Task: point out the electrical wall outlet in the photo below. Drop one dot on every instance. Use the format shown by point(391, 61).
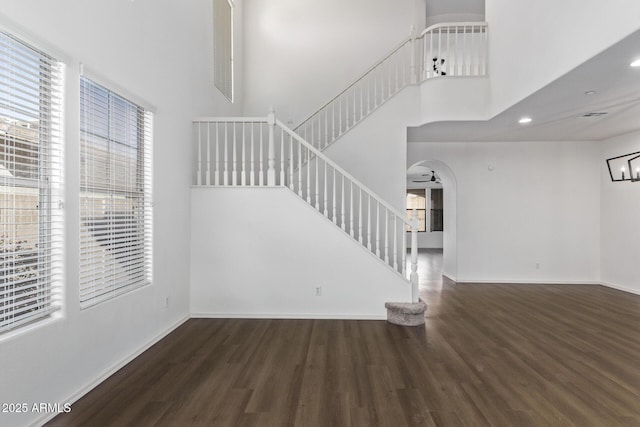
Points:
point(318, 291)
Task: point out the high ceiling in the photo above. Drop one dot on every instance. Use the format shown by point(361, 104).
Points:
point(445, 7)
point(558, 109)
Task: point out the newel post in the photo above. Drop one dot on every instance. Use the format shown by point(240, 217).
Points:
point(271, 159)
point(414, 256)
point(413, 71)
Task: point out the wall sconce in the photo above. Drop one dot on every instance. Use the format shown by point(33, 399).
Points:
point(625, 167)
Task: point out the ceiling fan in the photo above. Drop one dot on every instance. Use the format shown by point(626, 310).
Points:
point(434, 178)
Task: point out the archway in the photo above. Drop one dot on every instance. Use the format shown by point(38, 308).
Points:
point(449, 191)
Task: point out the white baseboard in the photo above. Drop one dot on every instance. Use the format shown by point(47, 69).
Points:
point(111, 370)
point(531, 282)
point(449, 276)
point(621, 288)
point(328, 316)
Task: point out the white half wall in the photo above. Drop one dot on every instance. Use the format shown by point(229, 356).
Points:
point(161, 53)
point(534, 218)
point(620, 210)
point(532, 43)
point(260, 252)
point(299, 54)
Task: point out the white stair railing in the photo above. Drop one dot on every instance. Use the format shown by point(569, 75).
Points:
point(247, 152)
point(448, 49)
point(453, 49)
point(379, 83)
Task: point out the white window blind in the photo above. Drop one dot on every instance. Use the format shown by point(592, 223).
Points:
point(115, 194)
point(223, 47)
point(30, 183)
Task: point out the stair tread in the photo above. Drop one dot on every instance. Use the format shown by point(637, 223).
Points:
point(406, 307)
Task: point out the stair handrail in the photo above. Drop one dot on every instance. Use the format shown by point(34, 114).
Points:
point(452, 24)
point(355, 81)
point(343, 172)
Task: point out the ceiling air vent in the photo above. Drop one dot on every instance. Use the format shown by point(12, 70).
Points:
point(595, 114)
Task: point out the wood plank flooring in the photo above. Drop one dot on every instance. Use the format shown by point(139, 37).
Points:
point(489, 355)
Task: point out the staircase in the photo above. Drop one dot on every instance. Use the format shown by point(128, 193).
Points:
point(263, 152)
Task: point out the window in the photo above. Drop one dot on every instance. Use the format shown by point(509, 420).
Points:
point(436, 219)
point(223, 47)
point(30, 183)
point(115, 194)
point(416, 200)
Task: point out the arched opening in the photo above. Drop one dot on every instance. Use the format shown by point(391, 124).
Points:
point(438, 257)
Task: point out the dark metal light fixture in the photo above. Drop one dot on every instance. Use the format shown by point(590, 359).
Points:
point(626, 167)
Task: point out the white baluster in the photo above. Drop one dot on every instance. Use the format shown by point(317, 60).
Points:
point(291, 185)
point(308, 176)
point(326, 196)
point(300, 170)
point(427, 58)
point(360, 215)
point(252, 180)
point(375, 88)
point(404, 250)
point(464, 49)
point(317, 205)
point(369, 221)
point(333, 121)
point(354, 105)
point(351, 220)
point(472, 62)
point(326, 128)
point(243, 157)
point(271, 160)
point(199, 172)
point(216, 164)
point(447, 57)
point(377, 229)
point(234, 164)
point(282, 156)
point(208, 180)
point(339, 116)
point(261, 153)
point(226, 154)
point(313, 136)
point(342, 220)
point(334, 197)
point(414, 256)
point(386, 235)
point(395, 242)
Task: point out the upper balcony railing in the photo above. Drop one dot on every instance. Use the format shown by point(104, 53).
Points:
point(442, 50)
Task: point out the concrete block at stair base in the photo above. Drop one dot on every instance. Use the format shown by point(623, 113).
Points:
point(406, 314)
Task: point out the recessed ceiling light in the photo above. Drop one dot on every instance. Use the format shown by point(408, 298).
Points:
point(635, 63)
point(590, 92)
point(525, 120)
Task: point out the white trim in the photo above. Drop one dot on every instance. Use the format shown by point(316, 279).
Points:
point(310, 316)
point(529, 282)
point(30, 38)
point(620, 288)
point(110, 371)
point(449, 276)
point(114, 87)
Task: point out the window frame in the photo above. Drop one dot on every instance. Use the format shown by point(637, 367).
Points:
point(223, 48)
point(34, 292)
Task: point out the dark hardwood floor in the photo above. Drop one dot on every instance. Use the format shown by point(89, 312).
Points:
point(489, 355)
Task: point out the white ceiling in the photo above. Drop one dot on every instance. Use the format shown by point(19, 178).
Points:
point(557, 109)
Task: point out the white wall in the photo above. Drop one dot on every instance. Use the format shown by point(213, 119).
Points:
point(539, 205)
point(429, 240)
point(259, 252)
point(374, 151)
point(301, 53)
point(549, 38)
point(620, 209)
point(160, 51)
